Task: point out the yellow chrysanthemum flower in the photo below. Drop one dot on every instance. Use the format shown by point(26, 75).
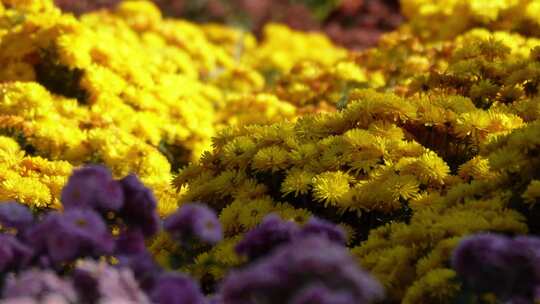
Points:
point(332, 188)
point(297, 182)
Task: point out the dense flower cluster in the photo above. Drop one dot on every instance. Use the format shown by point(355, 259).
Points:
point(310, 270)
point(67, 96)
point(520, 16)
point(94, 252)
point(447, 152)
point(408, 148)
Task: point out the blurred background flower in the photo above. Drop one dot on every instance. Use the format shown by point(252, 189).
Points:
point(355, 24)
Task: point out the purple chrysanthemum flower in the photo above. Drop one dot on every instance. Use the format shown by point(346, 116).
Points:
point(101, 281)
point(194, 221)
point(305, 263)
point(139, 210)
point(13, 254)
point(66, 236)
point(15, 215)
point(177, 289)
point(39, 285)
point(317, 226)
point(474, 253)
point(494, 263)
point(271, 233)
point(92, 187)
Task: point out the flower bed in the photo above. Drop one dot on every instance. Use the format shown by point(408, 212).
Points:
point(228, 155)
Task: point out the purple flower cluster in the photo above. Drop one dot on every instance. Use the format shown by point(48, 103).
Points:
point(507, 267)
point(60, 257)
point(63, 237)
point(308, 270)
point(82, 230)
point(298, 265)
point(52, 257)
point(273, 232)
